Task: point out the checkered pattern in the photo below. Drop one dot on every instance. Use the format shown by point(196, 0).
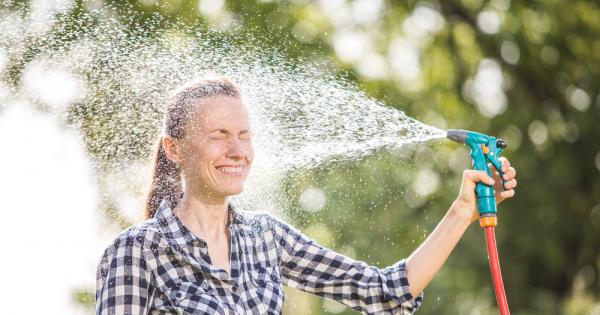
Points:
point(160, 267)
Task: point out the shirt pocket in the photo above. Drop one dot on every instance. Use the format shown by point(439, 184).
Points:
point(269, 288)
point(194, 298)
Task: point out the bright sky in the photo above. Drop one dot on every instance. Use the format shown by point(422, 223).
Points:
point(50, 243)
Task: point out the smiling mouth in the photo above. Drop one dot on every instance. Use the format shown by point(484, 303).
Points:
point(231, 170)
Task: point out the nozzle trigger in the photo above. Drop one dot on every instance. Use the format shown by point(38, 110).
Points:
point(492, 155)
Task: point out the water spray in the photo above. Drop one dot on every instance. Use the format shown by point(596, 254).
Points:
point(486, 149)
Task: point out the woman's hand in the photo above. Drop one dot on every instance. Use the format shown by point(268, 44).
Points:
point(465, 205)
point(426, 261)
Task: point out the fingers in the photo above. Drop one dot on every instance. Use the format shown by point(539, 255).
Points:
point(504, 164)
point(510, 174)
point(509, 171)
point(507, 194)
point(511, 184)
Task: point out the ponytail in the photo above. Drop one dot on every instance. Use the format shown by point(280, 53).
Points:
point(166, 182)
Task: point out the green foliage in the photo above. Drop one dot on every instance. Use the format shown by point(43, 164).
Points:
point(85, 298)
point(548, 55)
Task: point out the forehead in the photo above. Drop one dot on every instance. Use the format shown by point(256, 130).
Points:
point(220, 112)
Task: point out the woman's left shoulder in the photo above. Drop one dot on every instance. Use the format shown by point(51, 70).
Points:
point(260, 221)
point(254, 218)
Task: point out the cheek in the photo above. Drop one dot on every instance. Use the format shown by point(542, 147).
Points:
point(215, 150)
point(249, 151)
point(212, 154)
point(206, 153)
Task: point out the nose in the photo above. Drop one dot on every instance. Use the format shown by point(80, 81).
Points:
point(238, 149)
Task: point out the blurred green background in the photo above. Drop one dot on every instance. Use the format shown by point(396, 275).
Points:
point(527, 71)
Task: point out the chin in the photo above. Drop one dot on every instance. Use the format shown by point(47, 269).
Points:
point(232, 190)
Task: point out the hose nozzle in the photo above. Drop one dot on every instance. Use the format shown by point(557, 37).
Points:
point(484, 149)
point(459, 136)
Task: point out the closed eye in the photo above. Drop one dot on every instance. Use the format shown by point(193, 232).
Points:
point(244, 135)
point(222, 134)
point(218, 134)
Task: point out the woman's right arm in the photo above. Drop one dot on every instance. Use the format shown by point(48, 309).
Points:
point(123, 280)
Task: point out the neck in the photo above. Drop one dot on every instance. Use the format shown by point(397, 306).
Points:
point(204, 214)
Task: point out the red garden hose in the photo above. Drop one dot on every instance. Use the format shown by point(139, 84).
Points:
point(495, 268)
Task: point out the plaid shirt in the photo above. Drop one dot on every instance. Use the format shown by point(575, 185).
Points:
point(160, 267)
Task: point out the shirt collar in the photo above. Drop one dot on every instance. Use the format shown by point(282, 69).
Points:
point(174, 230)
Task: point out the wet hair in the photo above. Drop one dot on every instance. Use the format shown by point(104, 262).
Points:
point(166, 175)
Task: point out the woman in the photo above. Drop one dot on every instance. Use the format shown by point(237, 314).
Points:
point(197, 254)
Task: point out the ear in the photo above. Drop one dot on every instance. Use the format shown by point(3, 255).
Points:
point(171, 148)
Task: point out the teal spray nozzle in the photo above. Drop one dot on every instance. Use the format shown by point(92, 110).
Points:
point(484, 149)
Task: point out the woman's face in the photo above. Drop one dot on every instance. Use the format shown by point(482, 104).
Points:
point(216, 153)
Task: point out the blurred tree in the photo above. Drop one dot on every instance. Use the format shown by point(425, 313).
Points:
point(526, 71)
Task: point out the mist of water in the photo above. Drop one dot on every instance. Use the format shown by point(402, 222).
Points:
point(108, 83)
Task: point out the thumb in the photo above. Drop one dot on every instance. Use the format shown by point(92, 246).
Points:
point(472, 177)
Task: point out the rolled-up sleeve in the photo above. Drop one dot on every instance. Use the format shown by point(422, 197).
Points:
point(313, 268)
point(123, 281)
